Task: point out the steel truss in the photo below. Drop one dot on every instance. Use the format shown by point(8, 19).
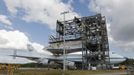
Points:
point(92, 32)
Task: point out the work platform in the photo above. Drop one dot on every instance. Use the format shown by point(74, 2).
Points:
point(86, 34)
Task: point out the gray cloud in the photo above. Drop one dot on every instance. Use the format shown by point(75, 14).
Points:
point(3, 40)
point(120, 15)
point(41, 11)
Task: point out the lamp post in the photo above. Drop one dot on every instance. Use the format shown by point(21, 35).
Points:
point(64, 50)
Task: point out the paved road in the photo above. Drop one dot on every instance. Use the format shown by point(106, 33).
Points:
point(120, 73)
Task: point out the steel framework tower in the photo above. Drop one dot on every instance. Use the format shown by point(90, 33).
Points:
point(92, 33)
point(95, 42)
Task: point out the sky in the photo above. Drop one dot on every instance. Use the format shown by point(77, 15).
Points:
point(24, 22)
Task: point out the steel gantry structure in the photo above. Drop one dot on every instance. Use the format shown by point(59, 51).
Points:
point(89, 34)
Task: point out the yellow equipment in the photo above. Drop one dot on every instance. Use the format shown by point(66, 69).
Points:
point(122, 67)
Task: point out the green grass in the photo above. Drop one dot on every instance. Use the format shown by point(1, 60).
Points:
point(60, 72)
point(93, 72)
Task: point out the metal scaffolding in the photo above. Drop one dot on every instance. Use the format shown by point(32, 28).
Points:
point(91, 31)
point(95, 42)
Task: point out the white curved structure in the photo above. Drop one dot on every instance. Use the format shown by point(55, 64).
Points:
point(71, 57)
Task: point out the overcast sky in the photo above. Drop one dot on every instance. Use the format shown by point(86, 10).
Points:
point(25, 22)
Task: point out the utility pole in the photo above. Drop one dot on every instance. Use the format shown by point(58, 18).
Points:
point(64, 50)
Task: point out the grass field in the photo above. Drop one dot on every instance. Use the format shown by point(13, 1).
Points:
point(59, 72)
